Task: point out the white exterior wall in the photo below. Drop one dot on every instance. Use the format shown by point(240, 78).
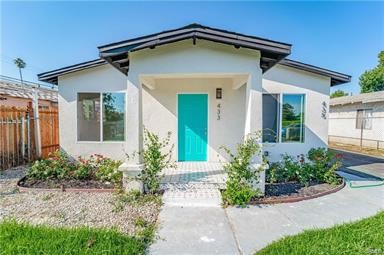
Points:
point(342, 123)
point(160, 111)
point(104, 78)
point(206, 60)
point(179, 66)
point(282, 79)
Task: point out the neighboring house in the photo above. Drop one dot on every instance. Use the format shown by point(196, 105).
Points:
point(358, 119)
point(15, 94)
point(209, 87)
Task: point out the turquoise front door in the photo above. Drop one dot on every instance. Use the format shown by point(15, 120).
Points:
point(192, 127)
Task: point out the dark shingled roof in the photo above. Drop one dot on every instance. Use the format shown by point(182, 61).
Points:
point(272, 52)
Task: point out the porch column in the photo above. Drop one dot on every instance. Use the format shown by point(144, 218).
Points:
point(133, 165)
point(254, 119)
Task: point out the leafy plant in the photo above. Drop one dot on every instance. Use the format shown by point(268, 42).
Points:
point(108, 170)
point(241, 174)
point(156, 157)
point(319, 165)
point(56, 166)
point(134, 198)
point(59, 166)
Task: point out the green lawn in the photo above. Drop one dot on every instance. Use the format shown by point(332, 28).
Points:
point(362, 237)
point(18, 238)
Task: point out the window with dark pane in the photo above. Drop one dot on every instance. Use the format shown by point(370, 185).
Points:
point(88, 117)
point(271, 118)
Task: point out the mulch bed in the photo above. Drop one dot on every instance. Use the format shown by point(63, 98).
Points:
point(64, 184)
point(294, 192)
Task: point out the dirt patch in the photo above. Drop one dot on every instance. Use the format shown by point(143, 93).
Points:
point(70, 209)
point(66, 184)
point(293, 192)
point(354, 148)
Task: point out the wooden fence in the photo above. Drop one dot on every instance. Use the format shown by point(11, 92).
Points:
point(17, 135)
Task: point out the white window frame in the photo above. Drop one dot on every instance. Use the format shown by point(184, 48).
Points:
point(101, 116)
point(281, 118)
point(280, 122)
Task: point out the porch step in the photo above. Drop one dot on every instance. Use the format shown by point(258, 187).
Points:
point(192, 194)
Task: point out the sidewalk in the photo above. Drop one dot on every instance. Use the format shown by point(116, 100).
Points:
point(214, 230)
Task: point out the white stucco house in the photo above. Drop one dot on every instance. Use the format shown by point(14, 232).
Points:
point(358, 120)
point(208, 86)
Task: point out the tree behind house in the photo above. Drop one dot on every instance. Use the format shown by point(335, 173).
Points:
point(20, 64)
point(339, 93)
point(373, 80)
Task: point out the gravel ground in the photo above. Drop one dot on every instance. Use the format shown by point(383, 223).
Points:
point(68, 208)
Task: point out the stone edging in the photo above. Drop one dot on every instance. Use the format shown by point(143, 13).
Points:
point(298, 199)
point(25, 189)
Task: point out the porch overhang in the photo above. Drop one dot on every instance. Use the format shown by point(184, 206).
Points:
point(237, 79)
point(117, 54)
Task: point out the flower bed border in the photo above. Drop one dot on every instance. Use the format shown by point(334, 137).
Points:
point(25, 189)
point(279, 200)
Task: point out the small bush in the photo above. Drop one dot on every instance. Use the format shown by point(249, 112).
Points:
point(241, 174)
point(155, 159)
point(108, 170)
point(56, 166)
point(134, 198)
point(320, 165)
point(59, 166)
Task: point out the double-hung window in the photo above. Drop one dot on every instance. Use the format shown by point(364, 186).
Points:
point(101, 117)
point(283, 118)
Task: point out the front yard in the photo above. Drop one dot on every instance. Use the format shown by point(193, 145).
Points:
point(73, 209)
point(362, 237)
point(18, 238)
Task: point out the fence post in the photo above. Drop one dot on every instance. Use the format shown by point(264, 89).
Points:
point(28, 137)
point(361, 134)
point(7, 132)
point(22, 138)
point(37, 122)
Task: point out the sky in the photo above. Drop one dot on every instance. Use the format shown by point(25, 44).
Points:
point(341, 36)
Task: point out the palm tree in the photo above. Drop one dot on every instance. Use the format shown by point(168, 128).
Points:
point(20, 64)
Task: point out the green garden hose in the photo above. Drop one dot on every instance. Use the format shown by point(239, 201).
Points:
point(365, 186)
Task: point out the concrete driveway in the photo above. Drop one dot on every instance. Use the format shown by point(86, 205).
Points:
point(213, 230)
point(358, 163)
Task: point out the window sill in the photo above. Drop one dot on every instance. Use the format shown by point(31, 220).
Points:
point(99, 142)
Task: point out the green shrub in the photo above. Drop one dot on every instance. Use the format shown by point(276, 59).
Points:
point(320, 165)
point(108, 170)
point(59, 166)
point(238, 193)
point(56, 166)
point(134, 198)
point(241, 174)
point(156, 157)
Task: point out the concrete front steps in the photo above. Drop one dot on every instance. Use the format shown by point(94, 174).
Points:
point(193, 184)
point(192, 194)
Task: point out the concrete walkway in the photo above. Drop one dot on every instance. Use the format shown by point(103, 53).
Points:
point(213, 230)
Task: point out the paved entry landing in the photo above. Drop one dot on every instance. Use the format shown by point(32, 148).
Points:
point(193, 184)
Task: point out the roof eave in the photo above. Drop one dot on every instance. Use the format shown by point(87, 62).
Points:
point(336, 77)
point(52, 76)
point(271, 51)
